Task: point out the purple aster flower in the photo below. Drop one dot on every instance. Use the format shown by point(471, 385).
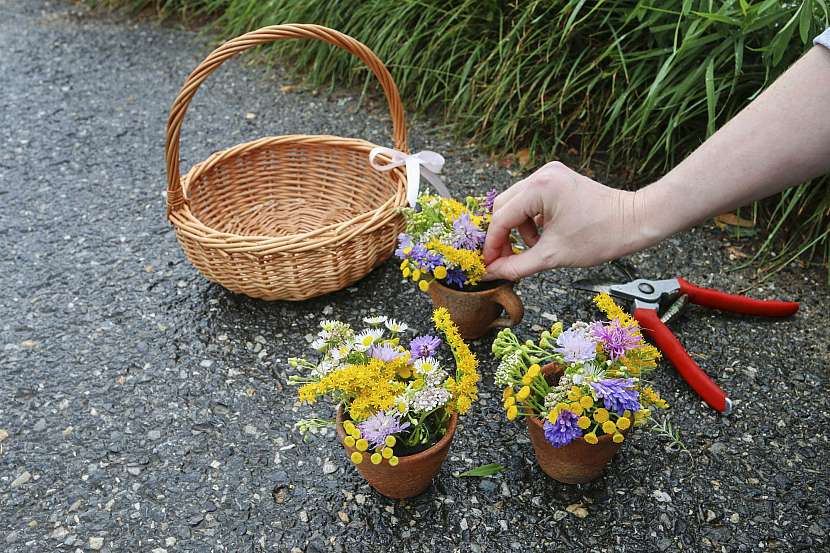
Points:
point(490, 199)
point(424, 346)
point(379, 426)
point(617, 394)
point(384, 353)
point(404, 241)
point(465, 234)
point(419, 254)
point(615, 338)
point(576, 345)
point(431, 261)
point(564, 430)
point(456, 277)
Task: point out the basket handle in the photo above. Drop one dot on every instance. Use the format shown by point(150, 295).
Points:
point(266, 35)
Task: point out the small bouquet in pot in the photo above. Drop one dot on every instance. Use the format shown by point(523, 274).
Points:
point(399, 397)
point(441, 250)
point(444, 240)
point(584, 382)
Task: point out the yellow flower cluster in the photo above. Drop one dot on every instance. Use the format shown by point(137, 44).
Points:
point(511, 400)
point(464, 387)
point(641, 360)
point(613, 311)
point(451, 209)
point(650, 396)
point(353, 440)
point(369, 388)
point(469, 261)
point(421, 277)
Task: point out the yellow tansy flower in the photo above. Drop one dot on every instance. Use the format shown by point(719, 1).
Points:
point(356, 457)
point(601, 415)
point(591, 438)
point(583, 422)
point(609, 427)
point(575, 408)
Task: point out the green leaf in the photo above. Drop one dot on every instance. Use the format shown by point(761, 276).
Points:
point(711, 100)
point(805, 20)
point(484, 470)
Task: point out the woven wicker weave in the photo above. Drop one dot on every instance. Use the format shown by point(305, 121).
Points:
point(288, 217)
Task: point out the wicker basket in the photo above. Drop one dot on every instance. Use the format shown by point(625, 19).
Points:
point(287, 217)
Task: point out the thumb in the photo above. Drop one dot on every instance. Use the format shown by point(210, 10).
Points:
point(514, 267)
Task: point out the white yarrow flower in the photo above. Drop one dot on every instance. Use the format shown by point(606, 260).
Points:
point(508, 365)
point(429, 398)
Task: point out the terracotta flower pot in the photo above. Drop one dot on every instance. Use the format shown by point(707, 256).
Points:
point(578, 462)
point(477, 312)
point(413, 474)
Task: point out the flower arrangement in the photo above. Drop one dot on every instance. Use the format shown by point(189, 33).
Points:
point(399, 400)
point(444, 239)
point(601, 391)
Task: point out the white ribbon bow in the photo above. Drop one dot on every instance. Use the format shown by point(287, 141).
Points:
point(425, 163)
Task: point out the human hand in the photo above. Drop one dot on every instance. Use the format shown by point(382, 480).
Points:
point(582, 223)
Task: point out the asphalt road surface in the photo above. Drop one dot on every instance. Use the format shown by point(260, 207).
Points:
point(143, 408)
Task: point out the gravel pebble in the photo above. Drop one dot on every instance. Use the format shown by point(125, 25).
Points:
point(23, 478)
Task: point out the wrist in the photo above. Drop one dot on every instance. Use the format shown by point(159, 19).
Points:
point(651, 216)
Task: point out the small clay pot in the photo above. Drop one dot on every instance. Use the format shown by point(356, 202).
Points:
point(413, 474)
point(578, 462)
point(477, 312)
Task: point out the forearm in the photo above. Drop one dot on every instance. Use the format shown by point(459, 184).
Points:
point(779, 140)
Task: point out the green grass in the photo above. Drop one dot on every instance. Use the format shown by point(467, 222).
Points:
point(631, 86)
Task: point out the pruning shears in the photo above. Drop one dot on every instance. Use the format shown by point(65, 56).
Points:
point(668, 296)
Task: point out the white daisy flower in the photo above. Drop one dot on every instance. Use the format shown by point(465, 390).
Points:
point(375, 321)
point(395, 326)
point(328, 324)
point(340, 353)
point(401, 405)
point(319, 344)
point(323, 369)
point(426, 365)
point(368, 337)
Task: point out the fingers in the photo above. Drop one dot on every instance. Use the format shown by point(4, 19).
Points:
point(512, 215)
point(514, 267)
point(529, 232)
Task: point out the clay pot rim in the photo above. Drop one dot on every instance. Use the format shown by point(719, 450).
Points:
point(600, 439)
point(497, 284)
point(405, 459)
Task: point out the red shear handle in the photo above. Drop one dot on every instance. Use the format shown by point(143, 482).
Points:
point(685, 365)
point(737, 304)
